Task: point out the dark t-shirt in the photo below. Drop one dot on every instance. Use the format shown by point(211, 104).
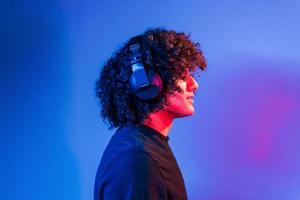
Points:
point(137, 164)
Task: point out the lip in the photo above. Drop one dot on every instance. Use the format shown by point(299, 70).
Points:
point(190, 99)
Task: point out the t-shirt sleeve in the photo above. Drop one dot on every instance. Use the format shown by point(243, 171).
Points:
point(132, 175)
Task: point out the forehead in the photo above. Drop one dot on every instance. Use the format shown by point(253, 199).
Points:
point(197, 70)
point(195, 73)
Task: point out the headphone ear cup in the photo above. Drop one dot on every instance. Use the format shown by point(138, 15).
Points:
point(152, 90)
point(133, 83)
point(155, 80)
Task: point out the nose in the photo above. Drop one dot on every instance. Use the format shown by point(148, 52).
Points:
point(192, 84)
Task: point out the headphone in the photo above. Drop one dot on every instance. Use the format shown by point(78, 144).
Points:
point(144, 83)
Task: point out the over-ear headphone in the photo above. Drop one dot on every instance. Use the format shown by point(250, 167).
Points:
point(144, 83)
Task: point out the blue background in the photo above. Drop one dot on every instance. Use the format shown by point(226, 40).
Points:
point(242, 143)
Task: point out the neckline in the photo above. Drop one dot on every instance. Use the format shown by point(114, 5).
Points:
point(150, 130)
point(166, 138)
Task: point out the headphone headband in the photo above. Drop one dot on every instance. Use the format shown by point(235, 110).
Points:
point(135, 53)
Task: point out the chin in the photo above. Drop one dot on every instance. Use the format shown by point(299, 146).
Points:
point(186, 113)
point(181, 110)
point(191, 112)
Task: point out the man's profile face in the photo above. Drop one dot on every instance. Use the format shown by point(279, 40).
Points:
point(181, 104)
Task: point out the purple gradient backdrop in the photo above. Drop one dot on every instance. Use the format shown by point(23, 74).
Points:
point(243, 141)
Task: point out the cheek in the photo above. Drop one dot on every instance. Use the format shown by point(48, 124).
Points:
point(177, 100)
point(179, 106)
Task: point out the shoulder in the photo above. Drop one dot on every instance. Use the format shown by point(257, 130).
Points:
point(127, 137)
point(124, 143)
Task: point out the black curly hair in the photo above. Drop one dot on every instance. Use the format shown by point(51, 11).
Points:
point(173, 54)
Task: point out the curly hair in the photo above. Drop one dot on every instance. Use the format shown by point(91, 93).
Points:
point(173, 55)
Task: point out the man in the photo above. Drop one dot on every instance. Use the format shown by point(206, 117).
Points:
point(146, 85)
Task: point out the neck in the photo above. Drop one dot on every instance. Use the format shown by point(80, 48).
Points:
point(160, 121)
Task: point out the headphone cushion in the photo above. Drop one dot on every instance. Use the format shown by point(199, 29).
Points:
point(152, 90)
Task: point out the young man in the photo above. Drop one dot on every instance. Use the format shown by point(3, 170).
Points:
point(142, 89)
